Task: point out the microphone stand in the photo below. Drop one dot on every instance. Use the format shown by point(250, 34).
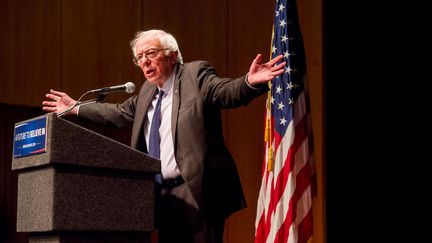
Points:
point(99, 98)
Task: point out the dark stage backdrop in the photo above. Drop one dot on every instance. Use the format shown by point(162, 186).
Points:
point(378, 121)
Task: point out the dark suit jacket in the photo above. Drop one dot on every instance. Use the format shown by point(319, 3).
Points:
point(203, 159)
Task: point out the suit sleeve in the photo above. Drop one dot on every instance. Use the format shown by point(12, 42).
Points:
point(225, 92)
point(119, 115)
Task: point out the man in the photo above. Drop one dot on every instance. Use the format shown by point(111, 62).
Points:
point(199, 183)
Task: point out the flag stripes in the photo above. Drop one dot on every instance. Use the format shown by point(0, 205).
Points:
point(284, 210)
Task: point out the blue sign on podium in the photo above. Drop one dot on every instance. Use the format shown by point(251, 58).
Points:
point(30, 137)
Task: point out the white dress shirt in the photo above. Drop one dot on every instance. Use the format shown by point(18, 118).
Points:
point(169, 166)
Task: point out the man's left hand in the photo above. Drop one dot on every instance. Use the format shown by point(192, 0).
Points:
point(262, 72)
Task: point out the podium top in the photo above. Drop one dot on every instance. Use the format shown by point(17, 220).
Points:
point(71, 144)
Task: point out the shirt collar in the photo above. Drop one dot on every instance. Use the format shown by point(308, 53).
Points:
point(167, 87)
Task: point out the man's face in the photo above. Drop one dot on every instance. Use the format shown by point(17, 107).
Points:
point(155, 65)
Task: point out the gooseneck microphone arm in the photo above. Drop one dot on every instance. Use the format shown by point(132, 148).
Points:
point(79, 102)
point(101, 93)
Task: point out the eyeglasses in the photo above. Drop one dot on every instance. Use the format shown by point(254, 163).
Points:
point(152, 53)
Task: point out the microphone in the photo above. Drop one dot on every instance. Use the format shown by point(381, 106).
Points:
point(128, 87)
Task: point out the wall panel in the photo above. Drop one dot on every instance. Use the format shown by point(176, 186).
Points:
point(30, 48)
point(200, 27)
point(96, 51)
point(249, 32)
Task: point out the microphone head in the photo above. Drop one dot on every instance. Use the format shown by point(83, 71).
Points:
point(130, 87)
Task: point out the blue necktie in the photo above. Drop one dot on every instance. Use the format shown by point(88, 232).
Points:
point(154, 137)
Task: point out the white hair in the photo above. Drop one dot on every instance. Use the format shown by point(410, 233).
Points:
point(166, 40)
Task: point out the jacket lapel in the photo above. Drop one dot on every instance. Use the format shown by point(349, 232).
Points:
point(147, 92)
point(176, 103)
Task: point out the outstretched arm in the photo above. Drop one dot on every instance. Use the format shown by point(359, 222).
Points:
point(59, 102)
point(260, 72)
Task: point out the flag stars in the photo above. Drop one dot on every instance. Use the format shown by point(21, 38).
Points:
point(281, 106)
point(281, 7)
point(283, 121)
point(282, 23)
point(278, 90)
point(290, 85)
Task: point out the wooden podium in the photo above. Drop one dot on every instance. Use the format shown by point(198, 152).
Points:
point(85, 187)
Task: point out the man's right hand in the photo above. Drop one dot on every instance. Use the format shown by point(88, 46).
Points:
point(59, 102)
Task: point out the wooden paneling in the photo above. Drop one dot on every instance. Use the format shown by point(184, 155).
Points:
point(249, 32)
point(30, 47)
point(95, 51)
point(200, 27)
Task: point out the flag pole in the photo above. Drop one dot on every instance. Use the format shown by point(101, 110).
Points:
point(268, 130)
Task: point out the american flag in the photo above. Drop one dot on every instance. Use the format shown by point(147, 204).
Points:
point(284, 210)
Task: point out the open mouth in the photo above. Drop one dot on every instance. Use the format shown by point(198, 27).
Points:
point(150, 72)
